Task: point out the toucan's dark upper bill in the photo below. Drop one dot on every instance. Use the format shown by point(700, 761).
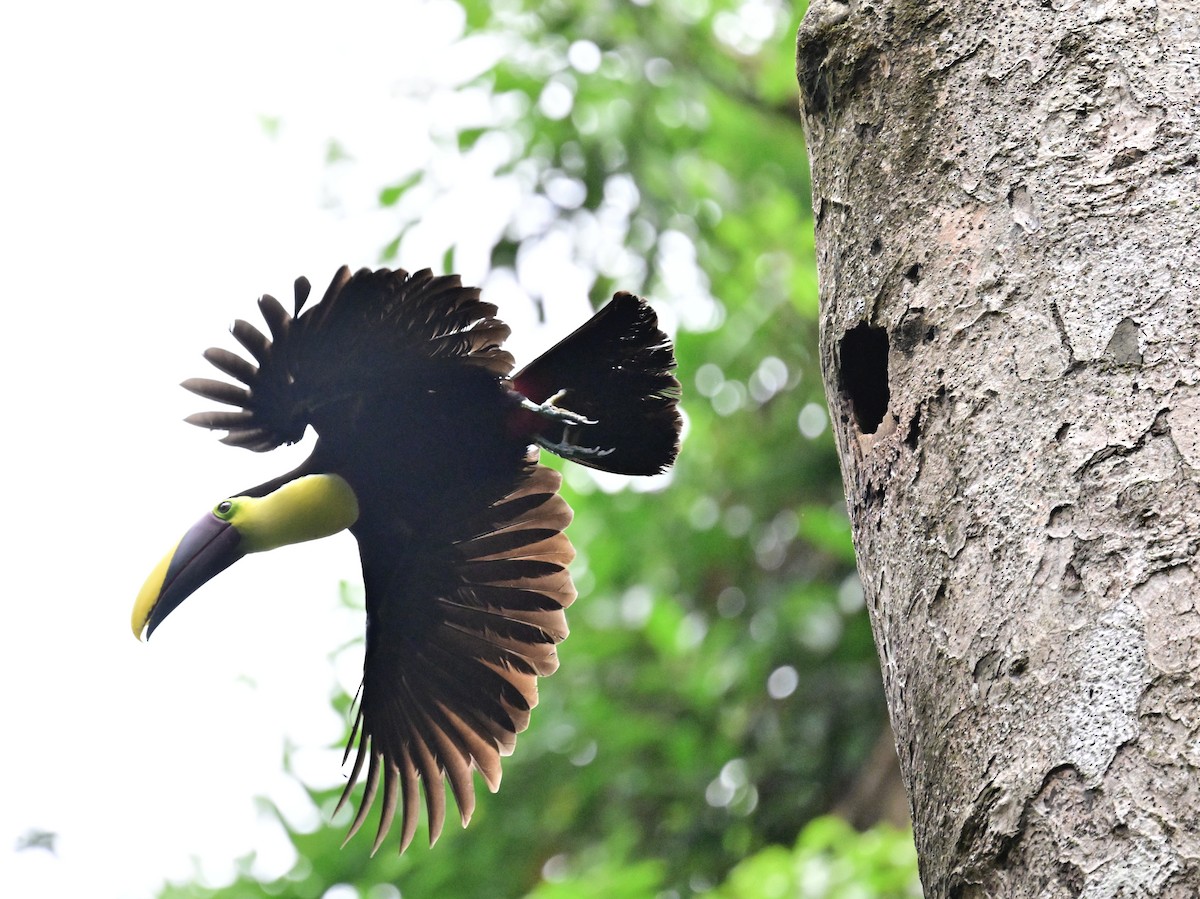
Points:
point(207, 549)
point(424, 449)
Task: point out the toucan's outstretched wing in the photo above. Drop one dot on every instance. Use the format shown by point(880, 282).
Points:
point(270, 412)
point(462, 618)
point(617, 371)
point(365, 336)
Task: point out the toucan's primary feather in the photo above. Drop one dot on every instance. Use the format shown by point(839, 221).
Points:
point(451, 670)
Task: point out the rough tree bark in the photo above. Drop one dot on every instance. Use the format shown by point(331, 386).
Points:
point(1008, 237)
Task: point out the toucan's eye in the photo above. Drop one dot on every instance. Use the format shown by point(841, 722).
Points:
point(223, 509)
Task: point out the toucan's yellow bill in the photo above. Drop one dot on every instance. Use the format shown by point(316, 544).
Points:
point(211, 546)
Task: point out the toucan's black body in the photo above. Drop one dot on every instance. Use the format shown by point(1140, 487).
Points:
point(404, 379)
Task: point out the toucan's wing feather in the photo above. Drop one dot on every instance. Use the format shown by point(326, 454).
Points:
point(462, 619)
point(268, 413)
point(617, 371)
point(374, 334)
point(378, 326)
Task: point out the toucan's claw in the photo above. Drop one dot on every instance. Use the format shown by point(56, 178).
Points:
point(573, 451)
point(555, 413)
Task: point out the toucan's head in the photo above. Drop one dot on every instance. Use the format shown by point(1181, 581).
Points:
point(306, 508)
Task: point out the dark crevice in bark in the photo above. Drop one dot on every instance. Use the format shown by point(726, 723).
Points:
point(912, 331)
point(914, 431)
point(1056, 314)
point(813, 75)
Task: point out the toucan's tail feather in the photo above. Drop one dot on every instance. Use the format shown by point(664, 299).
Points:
point(615, 371)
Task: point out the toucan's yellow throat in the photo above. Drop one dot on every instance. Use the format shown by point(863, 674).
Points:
point(307, 508)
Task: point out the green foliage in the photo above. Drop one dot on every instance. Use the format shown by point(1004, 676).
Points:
point(830, 861)
point(391, 194)
point(720, 687)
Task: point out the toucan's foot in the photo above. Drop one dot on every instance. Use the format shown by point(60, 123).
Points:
point(565, 446)
point(573, 451)
point(554, 413)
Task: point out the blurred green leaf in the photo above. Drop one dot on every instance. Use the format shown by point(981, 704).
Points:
point(468, 137)
point(335, 152)
point(391, 251)
point(390, 196)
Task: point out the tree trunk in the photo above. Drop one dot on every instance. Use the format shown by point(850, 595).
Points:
point(1008, 236)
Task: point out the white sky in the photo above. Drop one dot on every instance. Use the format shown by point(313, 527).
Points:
point(142, 209)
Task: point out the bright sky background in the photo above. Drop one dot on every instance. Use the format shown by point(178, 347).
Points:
point(142, 209)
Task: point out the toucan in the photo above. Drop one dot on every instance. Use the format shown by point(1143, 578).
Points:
point(427, 451)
